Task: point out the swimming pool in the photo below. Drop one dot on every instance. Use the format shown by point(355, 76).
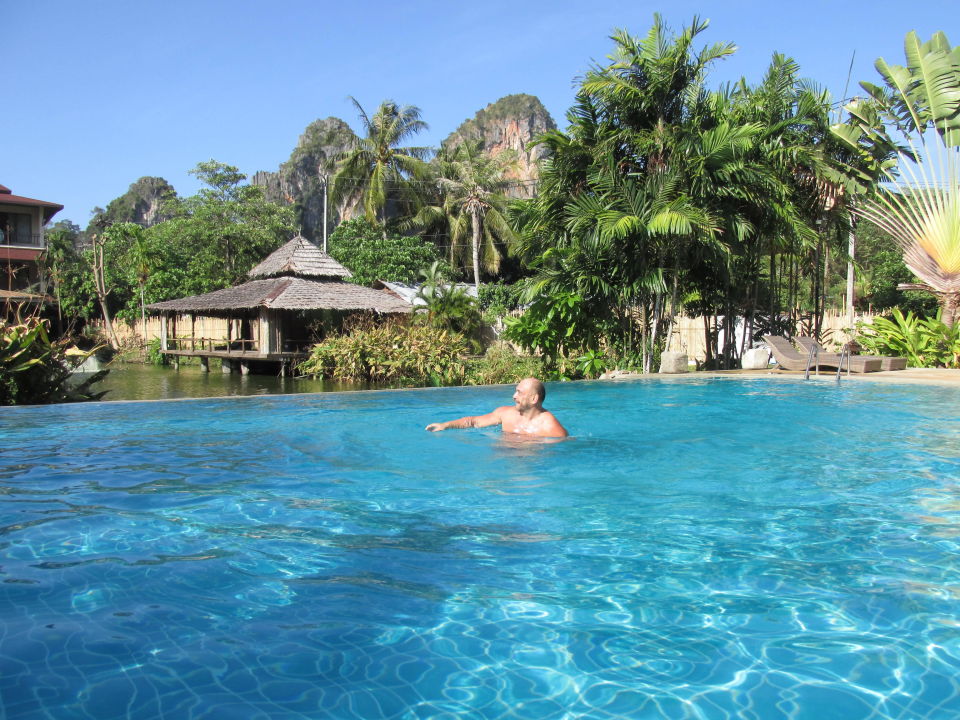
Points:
point(699, 549)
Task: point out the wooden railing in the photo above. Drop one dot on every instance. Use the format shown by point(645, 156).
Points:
point(210, 344)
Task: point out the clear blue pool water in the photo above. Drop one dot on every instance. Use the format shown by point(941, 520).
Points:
point(698, 549)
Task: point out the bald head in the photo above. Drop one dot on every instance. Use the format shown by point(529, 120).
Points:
point(532, 385)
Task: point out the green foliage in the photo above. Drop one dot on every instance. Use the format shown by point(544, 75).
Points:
point(498, 299)
point(70, 275)
point(501, 365)
point(372, 254)
point(208, 242)
point(377, 169)
point(448, 306)
point(36, 370)
point(470, 207)
point(154, 356)
point(557, 325)
point(593, 363)
point(395, 353)
point(392, 352)
point(919, 205)
point(925, 342)
point(881, 270)
point(661, 189)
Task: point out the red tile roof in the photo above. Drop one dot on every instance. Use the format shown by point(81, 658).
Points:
point(49, 209)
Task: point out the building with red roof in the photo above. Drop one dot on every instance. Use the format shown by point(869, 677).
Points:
point(22, 220)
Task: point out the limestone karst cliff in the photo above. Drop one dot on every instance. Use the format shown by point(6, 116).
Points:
point(298, 181)
point(505, 126)
point(508, 126)
point(142, 203)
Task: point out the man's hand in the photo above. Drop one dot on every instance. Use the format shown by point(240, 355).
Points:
point(435, 427)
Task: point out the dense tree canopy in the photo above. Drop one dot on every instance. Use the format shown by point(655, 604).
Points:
point(209, 241)
point(661, 191)
point(372, 253)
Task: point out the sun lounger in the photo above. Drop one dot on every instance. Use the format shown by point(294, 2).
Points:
point(789, 358)
point(886, 363)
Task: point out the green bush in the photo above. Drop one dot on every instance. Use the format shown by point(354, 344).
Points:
point(448, 306)
point(154, 356)
point(500, 365)
point(498, 299)
point(925, 342)
point(392, 352)
point(36, 370)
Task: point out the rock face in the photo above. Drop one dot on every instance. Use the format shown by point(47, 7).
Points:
point(298, 181)
point(508, 126)
point(142, 203)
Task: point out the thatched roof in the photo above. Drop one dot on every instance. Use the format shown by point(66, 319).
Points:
point(298, 276)
point(287, 293)
point(299, 258)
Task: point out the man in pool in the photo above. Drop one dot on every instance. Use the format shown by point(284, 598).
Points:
point(526, 417)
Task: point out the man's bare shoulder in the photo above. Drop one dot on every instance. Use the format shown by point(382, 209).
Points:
point(549, 425)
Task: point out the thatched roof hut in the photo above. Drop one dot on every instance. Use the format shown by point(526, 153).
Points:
point(300, 258)
point(298, 276)
point(271, 310)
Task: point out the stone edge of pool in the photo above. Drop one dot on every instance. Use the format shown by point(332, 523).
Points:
point(910, 376)
point(915, 376)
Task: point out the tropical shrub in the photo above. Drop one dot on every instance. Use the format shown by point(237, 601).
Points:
point(925, 342)
point(448, 306)
point(392, 352)
point(501, 365)
point(37, 370)
point(498, 299)
point(592, 363)
point(555, 325)
point(153, 354)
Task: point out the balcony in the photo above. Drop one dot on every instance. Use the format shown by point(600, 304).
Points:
point(17, 239)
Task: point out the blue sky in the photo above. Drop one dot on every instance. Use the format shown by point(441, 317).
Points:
point(106, 91)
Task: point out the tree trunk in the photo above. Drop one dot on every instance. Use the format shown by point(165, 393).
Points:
point(708, 353)
point(655, 324)
point(100, 285)
point(476, 222)
point(143, 315)
point(949, 304)
point(851, 251)
point(673, 313)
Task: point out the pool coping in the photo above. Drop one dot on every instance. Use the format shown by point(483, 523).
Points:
point(910, 376)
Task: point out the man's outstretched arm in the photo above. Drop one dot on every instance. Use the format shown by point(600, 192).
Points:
point(471, 421)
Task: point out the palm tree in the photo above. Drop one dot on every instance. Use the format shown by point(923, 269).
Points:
point(470, 202)
point(920, 204)
point(379, 169)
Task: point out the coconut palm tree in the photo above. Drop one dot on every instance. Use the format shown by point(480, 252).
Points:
point(471, 202)
point(379, 169)
point(919, 205)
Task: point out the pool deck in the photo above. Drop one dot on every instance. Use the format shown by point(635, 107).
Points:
point(916, 376)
